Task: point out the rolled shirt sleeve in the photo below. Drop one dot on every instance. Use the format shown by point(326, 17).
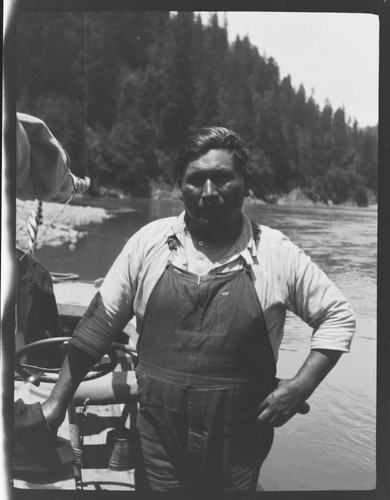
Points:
point(112, 307)
point(319, 302)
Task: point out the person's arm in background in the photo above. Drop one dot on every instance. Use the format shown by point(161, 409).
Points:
point(316, 300)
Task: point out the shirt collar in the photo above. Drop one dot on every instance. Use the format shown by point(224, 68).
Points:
point(245, 243)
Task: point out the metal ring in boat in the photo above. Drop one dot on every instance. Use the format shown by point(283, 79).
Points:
point(57, 277)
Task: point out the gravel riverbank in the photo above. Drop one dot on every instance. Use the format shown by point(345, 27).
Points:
point(64, 229)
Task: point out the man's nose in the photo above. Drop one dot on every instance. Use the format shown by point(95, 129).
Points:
point(209, 189)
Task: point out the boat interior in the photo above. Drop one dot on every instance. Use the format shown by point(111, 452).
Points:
point(99, 428)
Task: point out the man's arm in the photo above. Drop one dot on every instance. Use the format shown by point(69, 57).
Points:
point(284, 401)
point(316, 300)
point(89, 342)
point(76, 365)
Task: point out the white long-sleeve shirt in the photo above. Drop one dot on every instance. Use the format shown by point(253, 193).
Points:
point(285, 278)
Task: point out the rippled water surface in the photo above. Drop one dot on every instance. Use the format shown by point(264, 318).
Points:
point(333, 447)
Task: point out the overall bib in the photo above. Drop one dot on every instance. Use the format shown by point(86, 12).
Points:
point(205, 363)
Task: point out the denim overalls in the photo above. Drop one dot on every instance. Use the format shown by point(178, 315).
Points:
point(205, 361)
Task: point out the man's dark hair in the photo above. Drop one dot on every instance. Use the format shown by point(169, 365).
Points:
point(202, 141)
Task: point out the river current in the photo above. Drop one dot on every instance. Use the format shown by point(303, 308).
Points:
point(332, 447)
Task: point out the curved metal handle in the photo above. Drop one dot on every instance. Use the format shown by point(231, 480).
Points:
point(36, 374)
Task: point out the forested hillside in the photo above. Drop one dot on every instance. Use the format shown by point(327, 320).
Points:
point(121, 89)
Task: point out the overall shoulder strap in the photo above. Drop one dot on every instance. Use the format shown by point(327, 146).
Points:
point(256, 232)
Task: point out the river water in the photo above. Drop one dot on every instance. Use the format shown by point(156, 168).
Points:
point(332, 447)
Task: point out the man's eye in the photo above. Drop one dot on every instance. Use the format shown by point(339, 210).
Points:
point(195, 180)
point(222, 178)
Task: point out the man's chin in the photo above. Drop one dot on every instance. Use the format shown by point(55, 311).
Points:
point(211, 214)
point(211, 222)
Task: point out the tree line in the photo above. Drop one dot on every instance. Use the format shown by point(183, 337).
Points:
point(121, 89)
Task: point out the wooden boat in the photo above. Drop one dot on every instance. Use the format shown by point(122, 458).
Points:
point(104, 412)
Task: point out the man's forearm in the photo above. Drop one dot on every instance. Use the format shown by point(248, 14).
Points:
point(76, 365)
point(315, 368)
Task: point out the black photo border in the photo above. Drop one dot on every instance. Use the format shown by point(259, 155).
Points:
point(380, 8)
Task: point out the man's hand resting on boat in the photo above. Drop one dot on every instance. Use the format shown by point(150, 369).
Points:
point(290, 394)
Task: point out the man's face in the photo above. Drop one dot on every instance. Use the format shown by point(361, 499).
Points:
point(213, 190)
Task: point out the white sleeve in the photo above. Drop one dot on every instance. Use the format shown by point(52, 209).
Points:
point(112, 307)
point(319, 302)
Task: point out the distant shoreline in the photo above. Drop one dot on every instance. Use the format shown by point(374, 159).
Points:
point(297, 197)
point(65, 229)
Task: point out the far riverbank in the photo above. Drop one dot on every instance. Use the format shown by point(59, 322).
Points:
point(68, 226)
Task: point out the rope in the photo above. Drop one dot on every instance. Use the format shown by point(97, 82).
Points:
point(34, 220)
point(79, 186)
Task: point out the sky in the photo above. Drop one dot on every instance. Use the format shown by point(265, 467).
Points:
point(336, 55)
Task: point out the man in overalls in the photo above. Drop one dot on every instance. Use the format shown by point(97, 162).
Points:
point(210, 290)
